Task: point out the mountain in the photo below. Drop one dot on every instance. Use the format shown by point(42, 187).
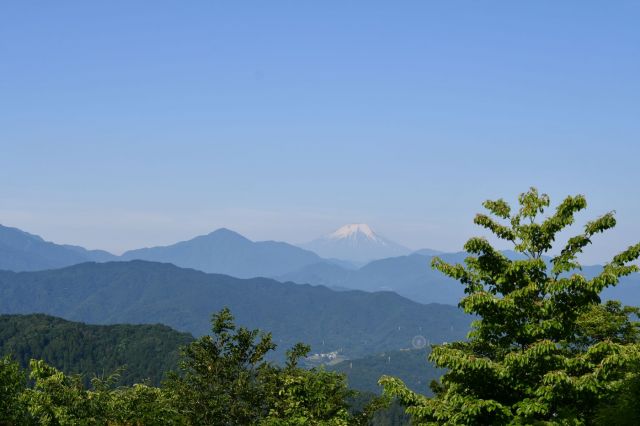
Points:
point(355, 243)
point(222, 251)
point(409, 276)
point(428, 252)
point(227, 252)
point(21, 251)
point(412, 277)
point(91, 255)
point(147, 351)
point(140, 292)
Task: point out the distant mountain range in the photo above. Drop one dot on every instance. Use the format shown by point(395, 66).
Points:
point(410, 276)
point(222, 251)
point(227, 252)
point(356, 243)
point(21, 251)
point(357, 323)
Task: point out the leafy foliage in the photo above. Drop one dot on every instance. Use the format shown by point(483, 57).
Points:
point(623, 408)
point(12, 385)
point(58, 399)
point(223, 380)
point(226, 380)
point(537, 353)
point(222, 375)
point(382, 412)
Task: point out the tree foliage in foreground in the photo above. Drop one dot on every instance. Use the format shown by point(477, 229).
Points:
point(543, 351)
point(223, 380)
point(227, 381)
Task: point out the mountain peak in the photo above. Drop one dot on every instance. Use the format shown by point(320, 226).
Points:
point(355, 242)
point(226, 232)
point(353, 230)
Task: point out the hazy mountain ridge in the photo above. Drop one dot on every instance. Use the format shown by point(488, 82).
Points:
point(410, 276)
point(357, 243)
point(227, 252)
point(137, 292)
point(221, 251)
point(413, 277)
point(22, 251)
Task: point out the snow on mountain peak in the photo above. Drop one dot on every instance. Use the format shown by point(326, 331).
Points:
point(355, 242)
point(352, 230)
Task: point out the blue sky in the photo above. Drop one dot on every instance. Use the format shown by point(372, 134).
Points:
point(127, 124)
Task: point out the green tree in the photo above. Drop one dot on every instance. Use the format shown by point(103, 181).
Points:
point(220, 381)
point(139, 404)
point(12, 385)
point(531, 357)
point(225, 380)
point(59, 399)
point(623, 408)
point(303, 397)
point(614, 322)
point(609, 321)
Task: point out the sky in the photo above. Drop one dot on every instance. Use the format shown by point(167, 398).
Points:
point(130, 124)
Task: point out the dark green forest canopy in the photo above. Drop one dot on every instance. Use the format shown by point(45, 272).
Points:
point(146, 351)
point(150, 351)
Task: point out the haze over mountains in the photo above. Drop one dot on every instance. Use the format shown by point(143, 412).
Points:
point(353, 322)
point(357, 243)
point(227, 252)
point(22, 251)
point(221, 251)
point(410, 276)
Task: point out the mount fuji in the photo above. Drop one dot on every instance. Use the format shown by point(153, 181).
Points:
point(355, 242)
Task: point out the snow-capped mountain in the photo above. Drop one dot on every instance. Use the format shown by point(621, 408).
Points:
point(356, 242)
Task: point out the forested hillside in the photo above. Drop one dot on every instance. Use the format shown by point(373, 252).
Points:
point(354, 322)
point(411, 366)
point(147, 351)
point(211, 387)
